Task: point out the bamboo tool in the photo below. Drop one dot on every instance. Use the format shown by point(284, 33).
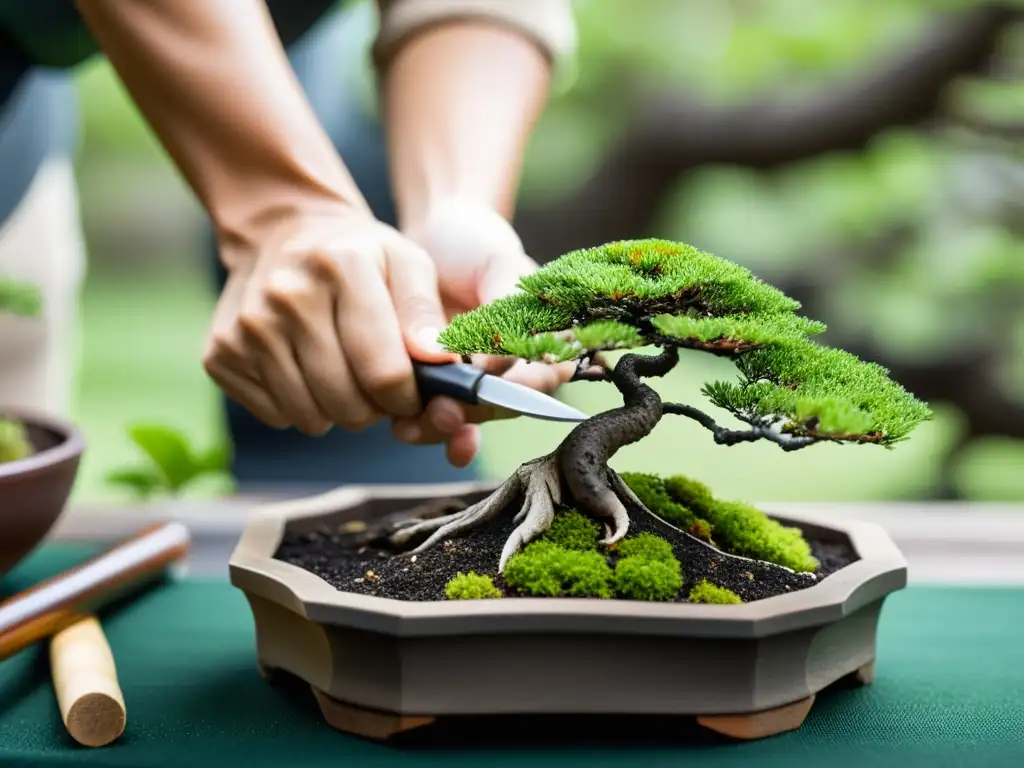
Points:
point(60, 601)
point(85, 681)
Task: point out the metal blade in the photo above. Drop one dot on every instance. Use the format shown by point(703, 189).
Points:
point(525, 401)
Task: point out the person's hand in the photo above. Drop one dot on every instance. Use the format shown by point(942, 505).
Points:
point(317, 323)
point(479, 258)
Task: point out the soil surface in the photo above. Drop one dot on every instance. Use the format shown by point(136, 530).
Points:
point(331, 555)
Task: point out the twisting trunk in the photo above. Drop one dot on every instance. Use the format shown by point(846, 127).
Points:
point(584, 454)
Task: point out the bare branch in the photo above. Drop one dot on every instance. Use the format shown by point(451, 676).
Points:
point(757, 431)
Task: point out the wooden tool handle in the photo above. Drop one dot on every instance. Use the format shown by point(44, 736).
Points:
point(85, 681)
point(58, 602)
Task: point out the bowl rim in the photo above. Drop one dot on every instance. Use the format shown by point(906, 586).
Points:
point(70, 447)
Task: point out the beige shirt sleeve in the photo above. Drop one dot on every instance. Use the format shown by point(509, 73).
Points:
point(549, 23)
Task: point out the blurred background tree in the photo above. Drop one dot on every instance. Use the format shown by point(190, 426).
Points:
point(864, 156)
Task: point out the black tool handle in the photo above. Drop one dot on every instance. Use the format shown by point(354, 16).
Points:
point(455, 380)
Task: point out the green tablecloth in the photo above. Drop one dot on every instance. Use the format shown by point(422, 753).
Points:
point(949, 692)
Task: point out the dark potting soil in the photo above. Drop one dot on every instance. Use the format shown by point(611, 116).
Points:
point(373, 571)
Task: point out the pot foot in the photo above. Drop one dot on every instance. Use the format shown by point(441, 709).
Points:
point(368, 723)
point(759, 725)
point(864, 675)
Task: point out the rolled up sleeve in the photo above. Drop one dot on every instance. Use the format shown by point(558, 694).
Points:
point(549, 23)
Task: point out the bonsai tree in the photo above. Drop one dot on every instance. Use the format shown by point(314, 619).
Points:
point(17, 298)
point(791, 391)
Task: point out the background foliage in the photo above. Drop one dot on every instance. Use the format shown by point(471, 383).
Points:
point(908, 246)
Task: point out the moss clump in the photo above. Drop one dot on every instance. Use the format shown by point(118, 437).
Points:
point(572, 530)
point(652, 492)
point(637, 578)
point(646, 546)
point(749, 532)
point(470, 586)
point(706, 592)
point(636, 293)
point(647, 569)
point(14, 442)
point(739, 528)
point(545, 569)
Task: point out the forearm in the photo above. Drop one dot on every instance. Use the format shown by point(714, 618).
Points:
point(213, 82)
point(460, 102)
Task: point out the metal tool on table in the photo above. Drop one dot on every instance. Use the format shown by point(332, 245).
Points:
point(473, 386)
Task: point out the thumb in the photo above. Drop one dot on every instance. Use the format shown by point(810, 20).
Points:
point(414, 293)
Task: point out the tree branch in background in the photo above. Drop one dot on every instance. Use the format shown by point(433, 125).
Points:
point(674, 135)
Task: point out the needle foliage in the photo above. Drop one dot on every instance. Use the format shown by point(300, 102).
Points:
point(639, 293)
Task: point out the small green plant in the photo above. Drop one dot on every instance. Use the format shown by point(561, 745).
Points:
point(172, 463)
point(706, 592)
point(14, 442)
point(572, 530)
point(24, 300)
point(471, 586)
point(544, 569)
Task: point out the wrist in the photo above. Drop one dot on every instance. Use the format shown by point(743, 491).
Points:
point(267, 221)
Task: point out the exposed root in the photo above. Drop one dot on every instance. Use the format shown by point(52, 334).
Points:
point(543, 493)
point(458, 523)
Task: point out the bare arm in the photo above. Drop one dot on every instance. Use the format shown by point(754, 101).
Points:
point(213, 81)
point(461, 97)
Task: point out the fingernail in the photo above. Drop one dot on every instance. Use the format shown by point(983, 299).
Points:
point(427, 338)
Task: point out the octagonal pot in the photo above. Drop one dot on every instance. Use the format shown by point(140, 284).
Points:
point(746, 670)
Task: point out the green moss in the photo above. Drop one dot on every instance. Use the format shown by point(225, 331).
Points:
point(646, 546)
point(690, 493)
point(706, 592)
point(738, 528)
point(640, 578)
point(14, 442)
point(572, 530)
point(470, 586)
point(544, 569)
point(650, 489)
point(743, 529)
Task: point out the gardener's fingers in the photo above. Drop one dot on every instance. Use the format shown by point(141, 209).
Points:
point(304, 302)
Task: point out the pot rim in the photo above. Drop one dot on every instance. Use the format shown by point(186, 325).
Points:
point(880, 569)
point(70, 447)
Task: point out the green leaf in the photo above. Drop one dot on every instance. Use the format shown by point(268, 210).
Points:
point(217, 459)
point(169, 450)
point(144, 481)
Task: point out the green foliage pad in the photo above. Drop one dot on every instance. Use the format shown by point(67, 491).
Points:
point(639, 293)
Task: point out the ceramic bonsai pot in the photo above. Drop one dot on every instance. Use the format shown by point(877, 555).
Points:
point(379, 666)
point(34, 490)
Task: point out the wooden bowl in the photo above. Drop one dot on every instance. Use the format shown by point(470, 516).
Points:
point(35, 490)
